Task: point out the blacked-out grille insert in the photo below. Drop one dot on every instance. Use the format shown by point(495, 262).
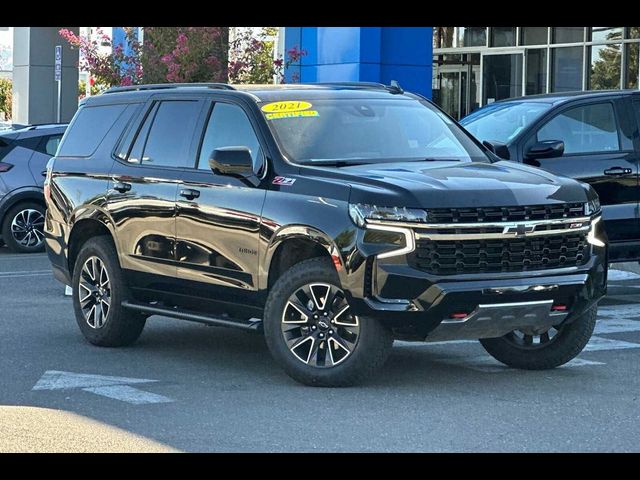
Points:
point(505, 214)
point(500, 255)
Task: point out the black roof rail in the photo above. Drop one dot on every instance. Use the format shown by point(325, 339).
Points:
point(379, 86)
point(161, 86)
point(393, 88)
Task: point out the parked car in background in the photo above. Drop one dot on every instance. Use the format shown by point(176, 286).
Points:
point(589, 136)
point(24, 153)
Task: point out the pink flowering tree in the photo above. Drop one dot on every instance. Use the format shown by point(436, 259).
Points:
point(185, 54)
point(107, 69)
point(251, 57)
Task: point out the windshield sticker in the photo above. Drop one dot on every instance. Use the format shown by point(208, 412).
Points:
point(288, 106)
point(303, 113)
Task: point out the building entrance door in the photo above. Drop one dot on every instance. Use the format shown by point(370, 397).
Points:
point(501, 76)
point(455, 83)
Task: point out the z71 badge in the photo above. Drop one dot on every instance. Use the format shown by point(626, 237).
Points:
point(284, 181)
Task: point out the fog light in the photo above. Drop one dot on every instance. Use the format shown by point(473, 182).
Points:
point(559, 308)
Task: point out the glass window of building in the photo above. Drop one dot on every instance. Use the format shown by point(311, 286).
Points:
point(443, 37)
point(536, 71)
point(534, 35)
point(502, 77)
point(631, 75)
point(503, 36)
point(604, 73)
point(567, 34)
point(566, 69)
point(605, 34)
point(633, 32)
point(586, 129)
point(472, 36)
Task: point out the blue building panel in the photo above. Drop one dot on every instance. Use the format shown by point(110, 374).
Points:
point(371, 54)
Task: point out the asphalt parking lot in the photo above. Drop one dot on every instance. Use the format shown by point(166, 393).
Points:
point(189, 387)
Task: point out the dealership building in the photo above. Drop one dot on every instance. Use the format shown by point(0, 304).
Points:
point(463, 68)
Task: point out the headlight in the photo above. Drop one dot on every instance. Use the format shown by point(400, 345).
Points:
point(592, 206)
point(361, 212)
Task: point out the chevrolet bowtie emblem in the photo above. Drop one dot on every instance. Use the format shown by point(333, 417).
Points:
point(518, 229)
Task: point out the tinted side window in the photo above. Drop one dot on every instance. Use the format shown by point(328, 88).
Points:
point(49, 145)
point(228, 126)
point(170, 133)
point(584, 129)
point(88, 128)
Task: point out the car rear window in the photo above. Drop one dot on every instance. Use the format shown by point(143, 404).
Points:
point(88, 128)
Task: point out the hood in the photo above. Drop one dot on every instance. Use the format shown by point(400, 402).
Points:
point(458, 184)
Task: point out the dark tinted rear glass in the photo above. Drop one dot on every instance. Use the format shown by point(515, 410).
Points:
point(88, 129)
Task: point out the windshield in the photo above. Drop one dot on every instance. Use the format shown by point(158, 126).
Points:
point(363, 130)
point(503, 121)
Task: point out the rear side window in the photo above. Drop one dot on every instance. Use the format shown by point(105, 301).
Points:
point(49, 144)
point(165, 136)
point(584, 129)
point(88, 129)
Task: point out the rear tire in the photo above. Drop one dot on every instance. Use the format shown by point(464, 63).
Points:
point(566, 344)
point(98, 291)
point(23, 228)
point(318, 351)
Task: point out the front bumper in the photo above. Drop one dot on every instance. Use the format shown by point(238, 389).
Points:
point(420, 306)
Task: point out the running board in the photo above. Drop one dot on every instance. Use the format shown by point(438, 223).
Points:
point(191, 316)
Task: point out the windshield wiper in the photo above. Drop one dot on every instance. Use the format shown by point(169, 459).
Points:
point(328, 162)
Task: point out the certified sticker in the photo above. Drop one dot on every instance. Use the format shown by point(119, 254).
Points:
point(288, 106)
point(303, 113)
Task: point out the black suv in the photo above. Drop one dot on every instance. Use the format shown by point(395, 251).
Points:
point(333, 218)
point(24, 153)
point(589, 136)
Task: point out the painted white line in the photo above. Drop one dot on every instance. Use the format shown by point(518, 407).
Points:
point(615, 325)
point(620, 311)
point(600, 343)
point(58, 380)
point(68, 291)
point(616, 275)
point(28, 275)
point(128, 394)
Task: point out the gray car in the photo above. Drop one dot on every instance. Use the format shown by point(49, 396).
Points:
point(24, 154)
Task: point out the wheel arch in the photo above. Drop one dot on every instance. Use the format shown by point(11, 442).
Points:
point(292, 244)
point(90, 225)
point(29, 194)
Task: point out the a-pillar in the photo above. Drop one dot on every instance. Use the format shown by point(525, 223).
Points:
point(35, 91)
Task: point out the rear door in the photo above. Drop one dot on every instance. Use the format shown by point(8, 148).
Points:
point(143, 186)
point(45, 149)
point(598, 150)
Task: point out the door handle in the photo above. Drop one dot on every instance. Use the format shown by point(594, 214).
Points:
point(189, 193)
point(122, 187)
point(617, 171)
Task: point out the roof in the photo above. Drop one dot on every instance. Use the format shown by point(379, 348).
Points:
point(258, 93)
point(561, 97)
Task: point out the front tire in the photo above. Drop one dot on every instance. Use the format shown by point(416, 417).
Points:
point(98, 291)
point(313, 336)
point(546, 350)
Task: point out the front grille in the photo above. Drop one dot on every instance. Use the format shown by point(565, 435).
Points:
point(505, 214)
point(500, 255)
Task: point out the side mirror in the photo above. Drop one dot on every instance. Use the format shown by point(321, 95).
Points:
point(545, 149)
point(499, 148)
point(232, 161)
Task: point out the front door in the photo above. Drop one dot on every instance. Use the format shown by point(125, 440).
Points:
point(219, 216)
point(599, 152)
